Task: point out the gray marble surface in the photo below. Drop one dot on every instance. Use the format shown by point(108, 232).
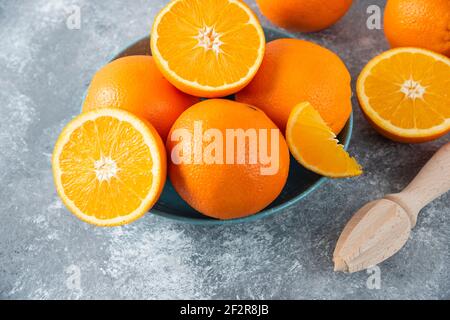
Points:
point(45, 68)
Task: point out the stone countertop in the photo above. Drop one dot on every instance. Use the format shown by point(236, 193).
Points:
point(46, 253)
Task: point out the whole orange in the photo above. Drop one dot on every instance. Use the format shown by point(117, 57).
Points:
point(304, 15)
point(295, 71)
point(135, 84)
point(241, 176)
point(418, 23)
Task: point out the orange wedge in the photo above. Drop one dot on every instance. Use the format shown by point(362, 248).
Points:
point(313, 144)
point(109, 167)
point(405, 94)
point(208, 48)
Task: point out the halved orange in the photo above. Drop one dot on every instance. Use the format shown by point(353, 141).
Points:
point(405, 94)
point(208, 48)
point(314, 145)
point(109, 167)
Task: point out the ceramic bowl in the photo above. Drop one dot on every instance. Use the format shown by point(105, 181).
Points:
point(301, 182)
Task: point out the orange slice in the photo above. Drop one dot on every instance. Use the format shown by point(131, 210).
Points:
point(405, 94)
point(313, 144)
point(208, 48)
point(109, 167)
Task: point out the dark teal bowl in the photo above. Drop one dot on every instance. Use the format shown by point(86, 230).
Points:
point(301, 181)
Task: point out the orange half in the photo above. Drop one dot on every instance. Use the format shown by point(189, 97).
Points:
point(314, 145)
point(208, 48)
point(109, 167)
point(405, 94)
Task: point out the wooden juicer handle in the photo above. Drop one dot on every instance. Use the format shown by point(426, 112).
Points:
point(430, 183)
